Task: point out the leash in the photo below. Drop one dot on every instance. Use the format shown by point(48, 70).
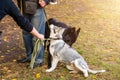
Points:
point(21, 11)
point(38, 45)
point(21, 7)
point(48, 39)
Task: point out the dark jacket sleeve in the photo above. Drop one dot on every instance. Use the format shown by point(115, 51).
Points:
point(14, 12)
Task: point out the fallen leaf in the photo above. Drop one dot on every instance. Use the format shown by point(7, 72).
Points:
point(14, 79)
point(38, 75)
point(9, 71)
point(94, 77)
point(14, 60)
point(5, 68)
point(5, 39)
point(8, 50)
point(2, 56)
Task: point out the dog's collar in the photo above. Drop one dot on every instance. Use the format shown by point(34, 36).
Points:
point(53, 39)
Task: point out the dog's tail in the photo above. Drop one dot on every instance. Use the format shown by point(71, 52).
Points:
point(83, 67)
point(95, 71)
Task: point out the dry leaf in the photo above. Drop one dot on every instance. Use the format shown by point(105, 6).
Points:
point(14, 60)
point(14, 79)
point(5, 39)
point(8, 50)
point(5, 68)
point(2, 56)
point(94, 77)
point(38, 75)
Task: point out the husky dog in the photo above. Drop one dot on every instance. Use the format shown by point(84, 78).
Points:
point(70, 35)
point(60, 51)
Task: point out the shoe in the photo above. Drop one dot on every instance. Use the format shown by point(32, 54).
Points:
point(37, 65)
point(23, 60)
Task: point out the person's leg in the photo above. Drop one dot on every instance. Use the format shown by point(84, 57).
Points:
point(38, 21)
point(28, 43)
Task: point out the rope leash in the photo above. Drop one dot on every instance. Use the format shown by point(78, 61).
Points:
point(21, 11)
point(38, 45)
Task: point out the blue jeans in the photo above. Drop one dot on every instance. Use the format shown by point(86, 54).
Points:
point(38, 21)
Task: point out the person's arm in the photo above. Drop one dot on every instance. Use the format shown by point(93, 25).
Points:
point(23, 22)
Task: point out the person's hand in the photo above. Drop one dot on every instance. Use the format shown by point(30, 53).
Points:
point(41, 37)
point(42, 3)
point(37, 34)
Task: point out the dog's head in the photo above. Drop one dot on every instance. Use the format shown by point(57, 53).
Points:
point(69, 35)
point(56, 32)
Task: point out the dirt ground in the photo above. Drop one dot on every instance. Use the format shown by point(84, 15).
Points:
point(98, 41)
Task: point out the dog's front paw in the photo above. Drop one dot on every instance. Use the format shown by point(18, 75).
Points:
point(48, 70)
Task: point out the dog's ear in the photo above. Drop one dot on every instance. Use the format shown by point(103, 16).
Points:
point(73, 30)
point(51, 21)
point(78, 31)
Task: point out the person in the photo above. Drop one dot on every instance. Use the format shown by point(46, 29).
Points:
point(38, 19)
point(7, 7)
